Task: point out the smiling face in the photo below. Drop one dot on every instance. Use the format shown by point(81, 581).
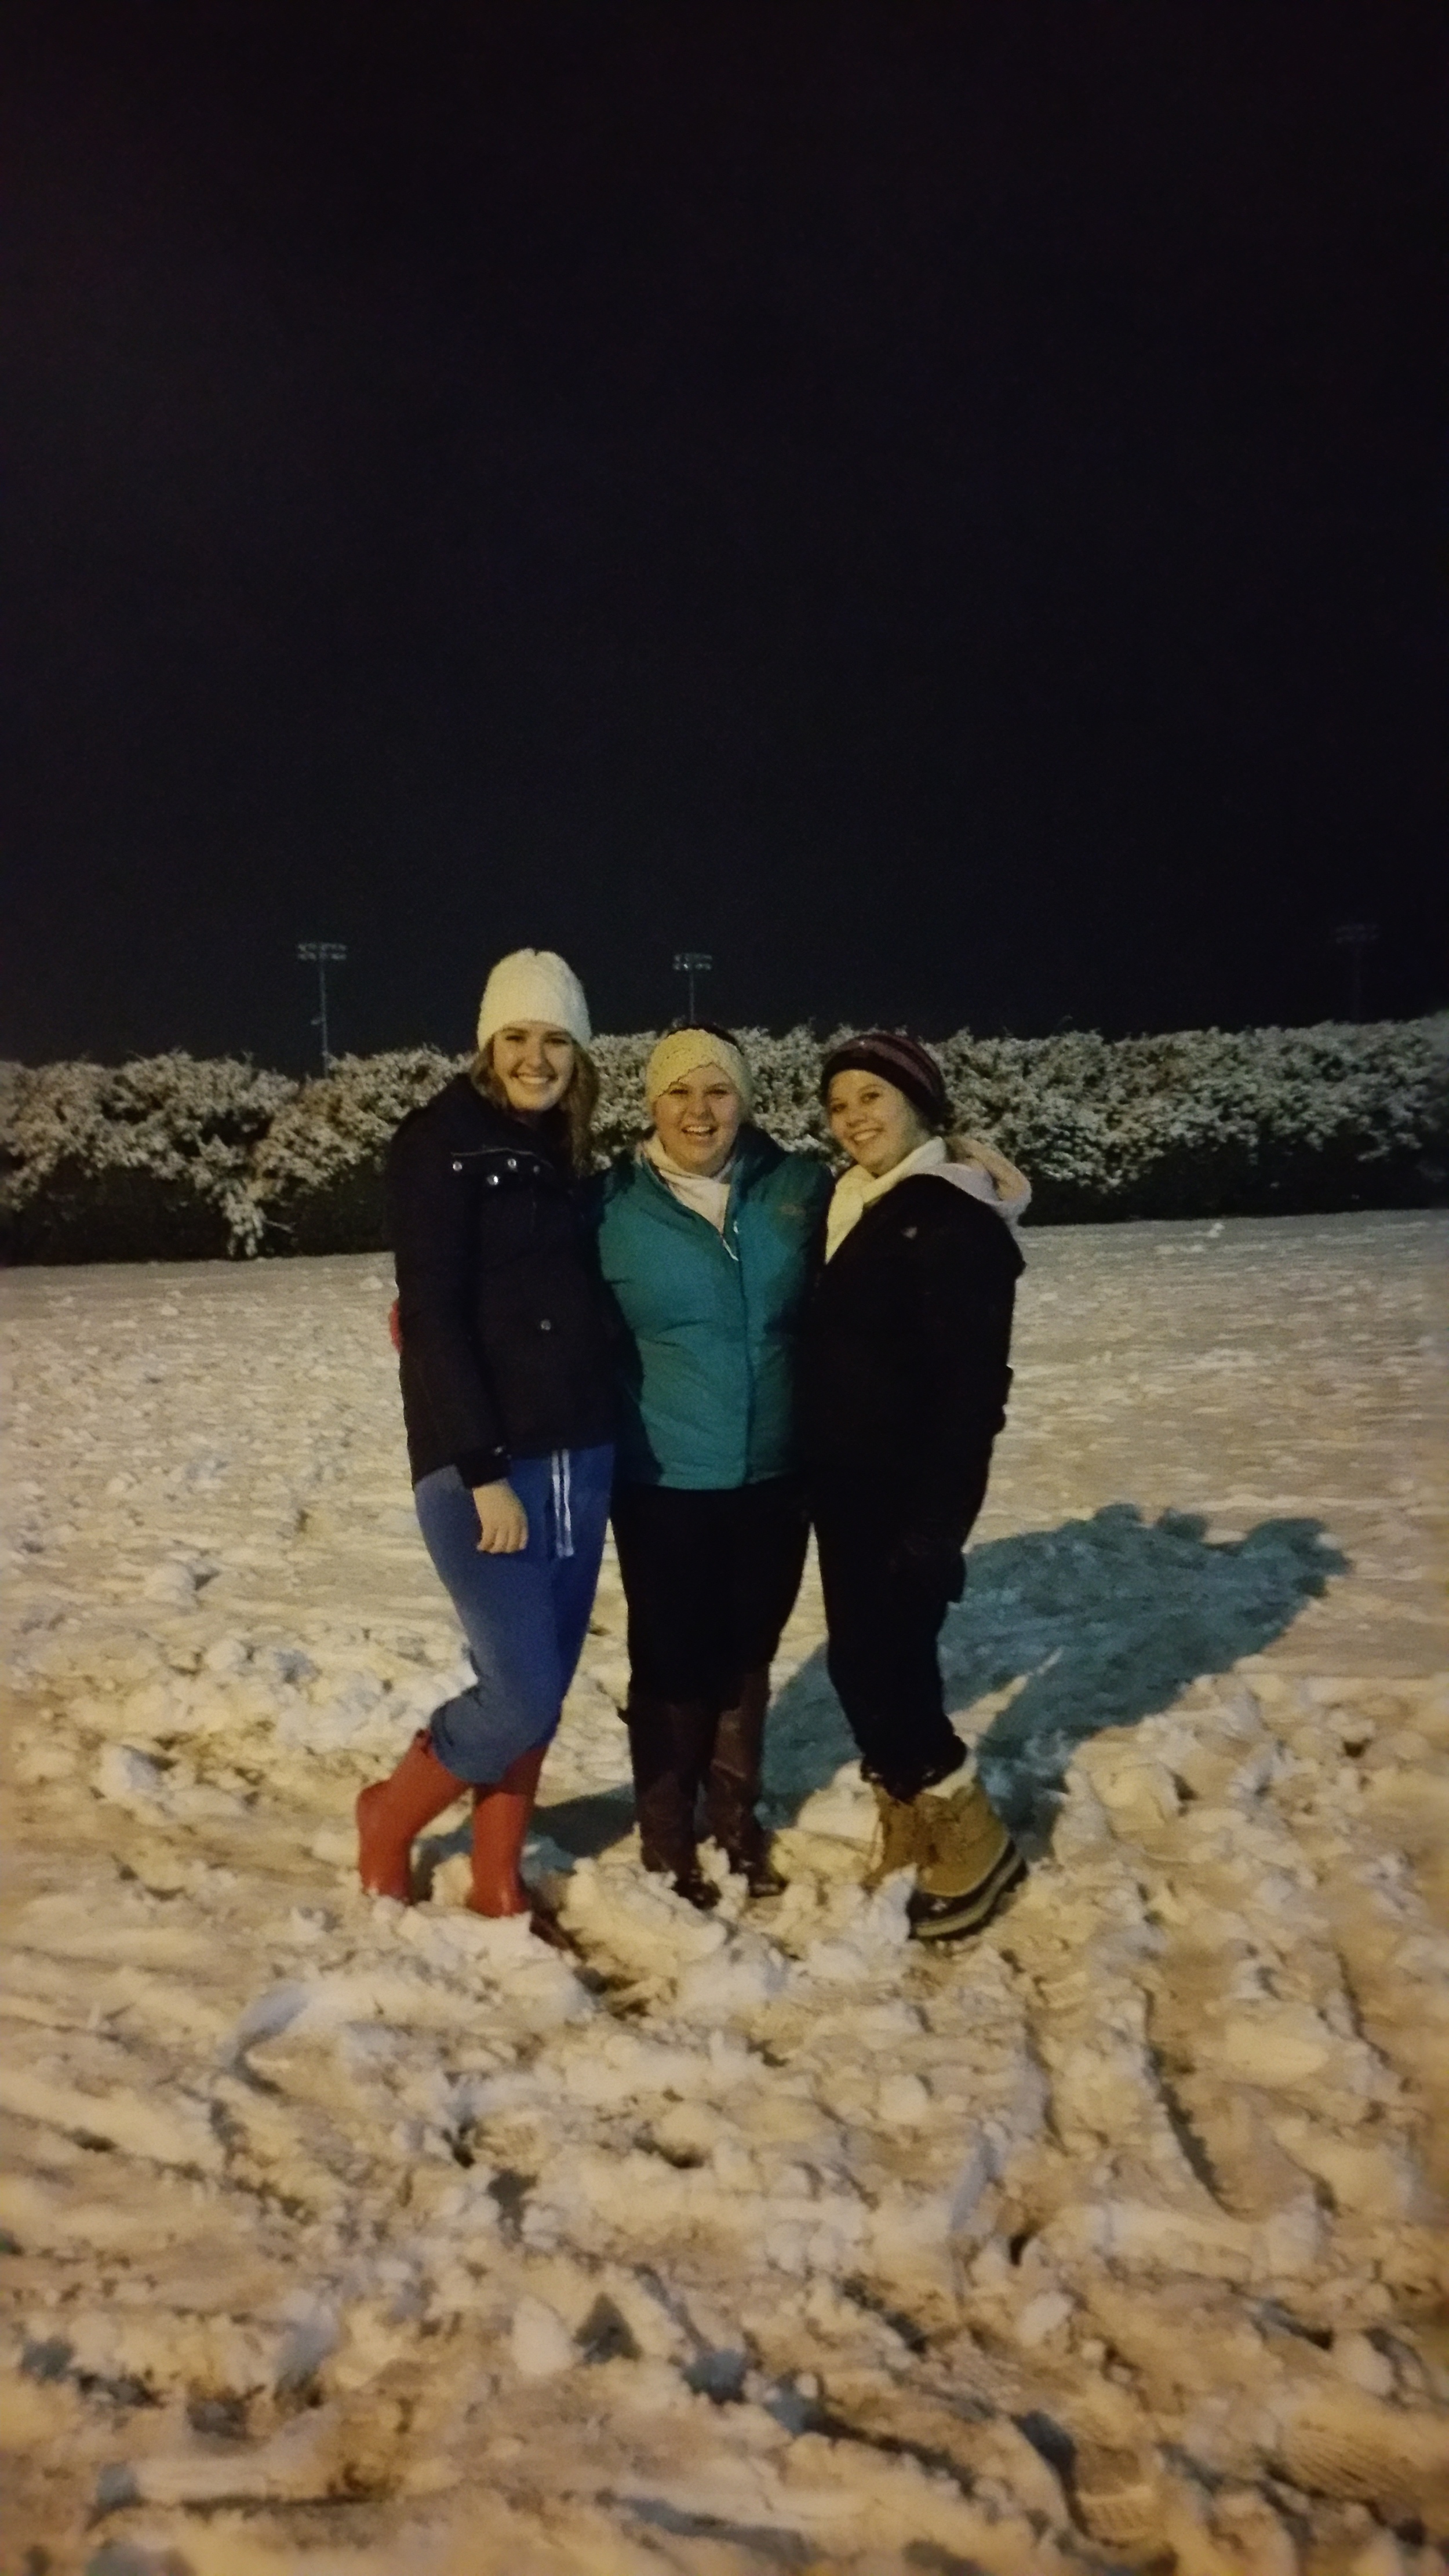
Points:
point(875, 1123)
point(698, 1119)
point(534, 1063)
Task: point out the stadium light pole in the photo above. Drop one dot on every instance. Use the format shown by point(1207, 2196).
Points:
point(1355, 936)
point(689, 963)
point(322, 953)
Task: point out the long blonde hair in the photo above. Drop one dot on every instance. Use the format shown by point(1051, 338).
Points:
point(579, 1101)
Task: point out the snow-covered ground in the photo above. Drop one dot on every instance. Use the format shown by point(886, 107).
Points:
point(343, 2238)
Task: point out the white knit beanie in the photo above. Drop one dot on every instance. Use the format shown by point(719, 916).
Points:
point(533, 984)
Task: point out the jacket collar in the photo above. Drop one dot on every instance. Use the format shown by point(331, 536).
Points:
point(498, 1127)
point(755, 1155)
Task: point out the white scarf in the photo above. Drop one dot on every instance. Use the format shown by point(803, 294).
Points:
point(984, 1175)
point(857, 1189)
point(707, 1194)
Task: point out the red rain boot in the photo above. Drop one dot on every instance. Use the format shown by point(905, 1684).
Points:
point(500, 1822)
point(392, 1811)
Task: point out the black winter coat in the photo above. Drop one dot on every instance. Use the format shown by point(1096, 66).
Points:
point(904, 1374)
point(502, 1315)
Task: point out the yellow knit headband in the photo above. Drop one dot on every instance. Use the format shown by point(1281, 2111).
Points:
point(686, 1051)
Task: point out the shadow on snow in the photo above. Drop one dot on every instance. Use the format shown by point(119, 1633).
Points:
point(1098, 1623)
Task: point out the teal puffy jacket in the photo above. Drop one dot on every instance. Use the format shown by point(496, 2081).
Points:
point(710, 1321)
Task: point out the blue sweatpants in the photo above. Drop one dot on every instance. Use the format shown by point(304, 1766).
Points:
point(524, 1616)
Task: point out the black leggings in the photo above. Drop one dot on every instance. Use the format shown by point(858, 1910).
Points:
point(710, 1579)
point(883, 1626)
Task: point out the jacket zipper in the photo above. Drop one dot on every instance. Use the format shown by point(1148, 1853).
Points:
point(691, 1216)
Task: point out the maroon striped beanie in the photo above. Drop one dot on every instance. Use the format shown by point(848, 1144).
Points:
point(898, 1060)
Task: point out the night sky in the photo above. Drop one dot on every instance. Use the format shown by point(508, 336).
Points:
point(939, 505)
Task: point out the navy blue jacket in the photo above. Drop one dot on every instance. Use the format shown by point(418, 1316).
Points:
point(503, 1319)
point(905, 1355)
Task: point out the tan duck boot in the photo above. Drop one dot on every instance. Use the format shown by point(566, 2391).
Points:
point(966, 1861)
point(897, 1843)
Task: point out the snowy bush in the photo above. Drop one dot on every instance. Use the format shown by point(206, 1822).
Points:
point(316, 1179)
point(1209, 1123)
point(171, 1158)
point(144, 1161)
point(621, 1115)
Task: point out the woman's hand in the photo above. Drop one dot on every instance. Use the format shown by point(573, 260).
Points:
point(502, 1520)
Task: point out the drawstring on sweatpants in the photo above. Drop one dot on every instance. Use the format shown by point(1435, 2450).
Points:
point(561, 1471)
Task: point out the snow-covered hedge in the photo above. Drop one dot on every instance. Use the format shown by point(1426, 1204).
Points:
point(1212, 1123)
point(168, 1158)
point(315, 1181)
point(138, 1162)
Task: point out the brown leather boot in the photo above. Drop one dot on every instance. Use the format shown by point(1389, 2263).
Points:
point(732, 1789)
point(669, 1748)
point(392, 1811)
point(501, 1812)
